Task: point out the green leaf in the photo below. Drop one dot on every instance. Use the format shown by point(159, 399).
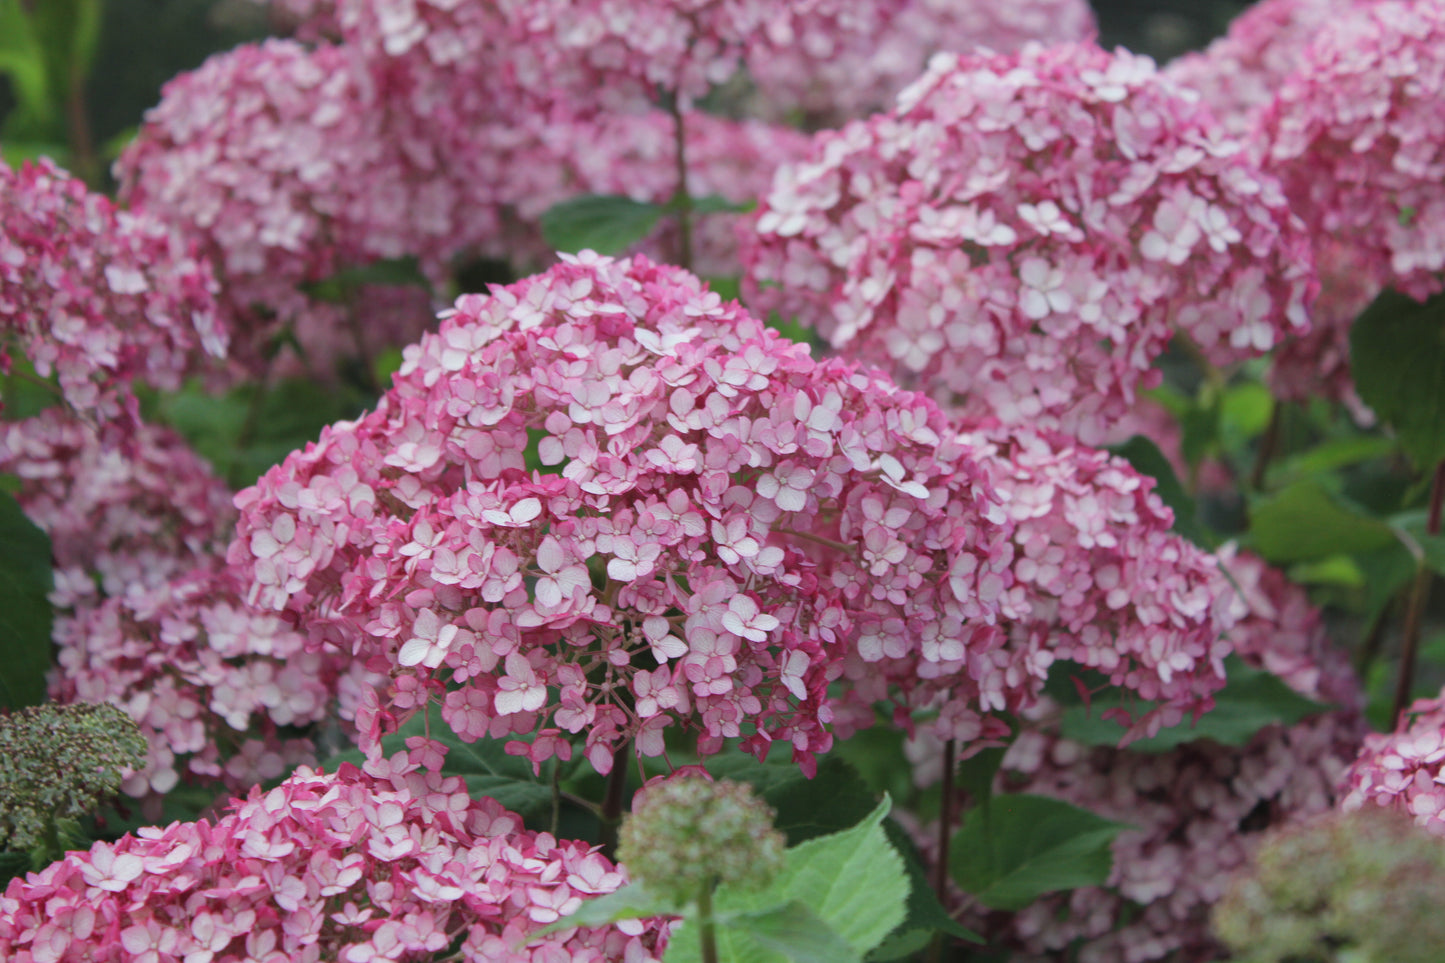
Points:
point(1397, 358)
point(1147, 459)
point(484, 765)
point(25, 612)
point(631, 902)
point(68, 32)
point(834, 799)
point(1017, 848)
point(717, 204)
point(1249, 701)
point(605, 223)
point(797, 934)
point(924, 915)
point(22, 59)
point(342, 287)
point(1306, 521)
point(1333, 455)
point(854, 881)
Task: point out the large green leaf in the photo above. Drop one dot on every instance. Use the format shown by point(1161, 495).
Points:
point(925, 914)
point(1307, 521)
point(25, 611)
point(834, 799)
point(794, 932)
point(853, 881)
point(1016, 848)
point(1249, 701)
point(1397, 358)
point(605, 223)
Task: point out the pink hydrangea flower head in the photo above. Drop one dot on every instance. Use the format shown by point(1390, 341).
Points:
point(290, 165)
point(384, 864)
point(1195, 811)
point(1238, 74)
point(1022, 234)
point(1402, 769)
point(96, 295)
point(1355, 137)
point(605, 502)
point(868, 73)
point(219, 689)
point(1090, 574)
point(619, 54)
point(125, 505)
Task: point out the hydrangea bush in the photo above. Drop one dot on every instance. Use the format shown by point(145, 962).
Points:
point(726, 413)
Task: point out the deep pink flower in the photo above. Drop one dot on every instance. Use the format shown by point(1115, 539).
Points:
point(96, 295)
point(1021, 236)
point(1355, 137)
point(1194, 811)
point(283, 875)
point(820, 520)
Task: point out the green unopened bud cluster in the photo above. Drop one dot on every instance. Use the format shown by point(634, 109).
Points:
point(1361, 887)
point(686, 835)
point(61, 762)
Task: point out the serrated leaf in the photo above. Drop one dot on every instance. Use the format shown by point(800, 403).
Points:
point(1307, 521)
point(605, 223)
point(1397, 359)
point(796, 933)
point(1250, 700)
point(1018, 847)
point(26, 578)
point(924, 914)
point(854, 881)
point(1147, 459)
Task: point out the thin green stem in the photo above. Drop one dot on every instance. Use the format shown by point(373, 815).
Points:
point(682, 201)
point(1419, 599)
point(706, 928)
point(945, 830)
point(1268, 444)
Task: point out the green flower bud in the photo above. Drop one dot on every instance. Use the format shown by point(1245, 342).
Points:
point(686, 835)
point(60, 762)
point(1360, 887)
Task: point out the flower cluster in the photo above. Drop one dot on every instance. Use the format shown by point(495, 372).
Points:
point(280, 160)
point(687, 834)
point(1238, 74)
point(125, 507)
point(1023, 234)
point(1402, 769)
point(95, 295)
point(619, 54)
point(1194, 809)
point(354, 866)
point(1356, 139)
point(867, 74)
point(1361, 886)
point(1092, 575)
point(60, 762)
point(223, 693)
point(718, 520)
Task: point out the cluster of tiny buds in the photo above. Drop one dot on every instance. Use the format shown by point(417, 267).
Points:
point(61, 762)
point(688, 834)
